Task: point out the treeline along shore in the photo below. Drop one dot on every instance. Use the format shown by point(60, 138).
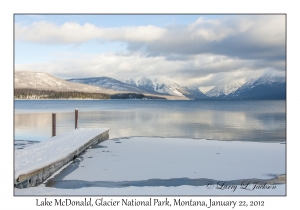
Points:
point(24, 93)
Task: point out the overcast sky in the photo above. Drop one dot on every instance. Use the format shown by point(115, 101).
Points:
point(192, 50)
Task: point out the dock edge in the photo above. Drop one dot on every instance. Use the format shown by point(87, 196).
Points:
point(39, 176)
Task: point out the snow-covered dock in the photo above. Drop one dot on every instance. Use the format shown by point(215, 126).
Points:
point(36, 163)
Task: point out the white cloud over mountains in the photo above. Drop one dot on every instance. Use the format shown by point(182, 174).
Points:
point(74, 33)
point(206, 52)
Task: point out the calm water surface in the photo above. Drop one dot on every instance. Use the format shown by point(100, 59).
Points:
point(222, 120)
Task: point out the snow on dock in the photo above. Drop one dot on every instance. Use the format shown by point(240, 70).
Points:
point(34, 164)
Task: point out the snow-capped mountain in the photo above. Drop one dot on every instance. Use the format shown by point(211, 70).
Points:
point(265, 87)
point(222, 91)
point(130, 82)
point(44, 81)
point(166, 86)
point(194, 92)
point(143, 86)
point(160, 85)
point(107, 82)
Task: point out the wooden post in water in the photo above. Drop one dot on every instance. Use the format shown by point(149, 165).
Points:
point(53, 124)
point(76, 118)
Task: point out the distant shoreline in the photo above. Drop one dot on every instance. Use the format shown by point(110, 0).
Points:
point(37, 94)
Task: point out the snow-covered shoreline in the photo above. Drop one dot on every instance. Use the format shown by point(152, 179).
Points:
point(146, 164)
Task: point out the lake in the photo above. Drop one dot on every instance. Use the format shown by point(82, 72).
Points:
point(261, 121)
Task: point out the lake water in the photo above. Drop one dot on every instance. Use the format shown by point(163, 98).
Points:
point(263, 121)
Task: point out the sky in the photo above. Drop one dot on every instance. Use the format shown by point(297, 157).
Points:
point(193, 50)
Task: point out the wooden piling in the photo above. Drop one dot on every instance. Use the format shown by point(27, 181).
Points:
point(53, 124)
point(76, 118)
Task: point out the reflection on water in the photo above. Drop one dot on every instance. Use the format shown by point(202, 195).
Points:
point(223, 120)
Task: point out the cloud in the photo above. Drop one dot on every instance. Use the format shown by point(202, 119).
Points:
point(74, 33)
point(114, 65)
point(200, 70)
point(245, 37)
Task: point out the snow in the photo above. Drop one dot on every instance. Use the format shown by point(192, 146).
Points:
point(265, 79)
point(159, 85)
point(107, 82)
point(223, 90)
point(164, 86)
point(236, 88)
point(52, 150)
point(167, 166)
point(130, 86)
point(44, 81)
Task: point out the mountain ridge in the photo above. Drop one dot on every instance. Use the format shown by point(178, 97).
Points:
point(166, 86)
point(223, 91)
point(266, 87)
point(41, 80)
point(27, 81)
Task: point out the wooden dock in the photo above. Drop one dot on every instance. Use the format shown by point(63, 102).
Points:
point(36, 163)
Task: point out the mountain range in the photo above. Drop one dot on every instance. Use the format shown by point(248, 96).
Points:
point(223, 91)
point(144, 85)
point(40, 85)
point(166, 86)
point(44, 81)
point(266, 87)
